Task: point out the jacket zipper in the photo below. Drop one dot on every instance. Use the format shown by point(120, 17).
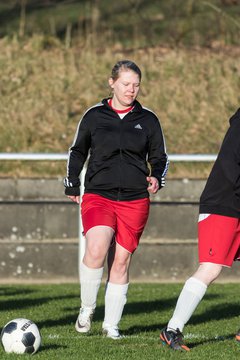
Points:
point(121, 159)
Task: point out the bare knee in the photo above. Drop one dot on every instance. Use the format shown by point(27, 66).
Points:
point(97, 245)
point(208, 272)
point(120, 267)
point(94, 257)
point(118, 273)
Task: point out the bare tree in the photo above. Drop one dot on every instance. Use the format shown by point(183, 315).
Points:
point(22, 24)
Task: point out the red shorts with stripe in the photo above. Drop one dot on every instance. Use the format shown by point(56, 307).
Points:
point(126, 218)
point(218, 239)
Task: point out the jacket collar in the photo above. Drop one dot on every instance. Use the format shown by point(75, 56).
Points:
point(137, 105)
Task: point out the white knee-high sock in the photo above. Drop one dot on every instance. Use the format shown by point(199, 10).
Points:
point(90, 280)
point(189, 298)
point(115, 299)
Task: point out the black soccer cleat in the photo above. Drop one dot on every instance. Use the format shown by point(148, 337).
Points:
point(174, 339)
point(238, 336)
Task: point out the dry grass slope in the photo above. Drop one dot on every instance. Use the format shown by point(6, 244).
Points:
point(45, 88)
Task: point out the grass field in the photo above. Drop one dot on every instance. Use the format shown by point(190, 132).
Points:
point(54, 308)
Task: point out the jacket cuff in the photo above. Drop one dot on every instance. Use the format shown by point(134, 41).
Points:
point(72, 191)
point(161, 180)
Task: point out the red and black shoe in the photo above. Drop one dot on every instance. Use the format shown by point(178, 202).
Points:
point(174, 339)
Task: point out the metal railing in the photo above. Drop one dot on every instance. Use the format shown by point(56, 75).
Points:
point(64, 157)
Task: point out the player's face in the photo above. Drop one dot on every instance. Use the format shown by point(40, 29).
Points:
point(125, 89)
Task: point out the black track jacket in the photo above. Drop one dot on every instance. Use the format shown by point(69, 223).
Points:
point(119, 151)
point(221, 194)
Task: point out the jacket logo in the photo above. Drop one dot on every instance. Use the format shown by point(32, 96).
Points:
point(138, 126)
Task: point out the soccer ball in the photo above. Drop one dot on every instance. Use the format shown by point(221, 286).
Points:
point(20, 336)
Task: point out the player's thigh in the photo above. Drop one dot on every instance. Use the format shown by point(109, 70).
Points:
point(98, 240)
point(131, 220)
point(120, 256)
point(95, 211)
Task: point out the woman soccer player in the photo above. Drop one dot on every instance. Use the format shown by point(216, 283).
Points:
point(218, 233)
point(124, 140)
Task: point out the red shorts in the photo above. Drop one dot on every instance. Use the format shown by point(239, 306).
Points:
point(126, 218)
point(218, 239)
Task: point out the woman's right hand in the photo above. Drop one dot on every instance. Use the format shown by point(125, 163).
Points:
point(74, 198)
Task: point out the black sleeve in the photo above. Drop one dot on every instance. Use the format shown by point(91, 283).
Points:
point(157, 156)
point(78, 153)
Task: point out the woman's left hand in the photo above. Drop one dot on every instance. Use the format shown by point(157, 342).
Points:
point(153, 186)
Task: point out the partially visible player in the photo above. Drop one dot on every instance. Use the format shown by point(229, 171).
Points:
point(218, 233)
point(122, 138)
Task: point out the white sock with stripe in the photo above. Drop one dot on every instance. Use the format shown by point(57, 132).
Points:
point(90, 280)
point(189, 298)
point(115, 299)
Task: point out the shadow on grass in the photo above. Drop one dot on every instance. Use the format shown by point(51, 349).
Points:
point(157, 305)
point(212, 312)
point(51, 347)
point(61, 321)
point(25, 303)
point(216, 312)
point(13, 291)
point(212, 340)
point(67, 314)
point(147, 307)
point(138, 329)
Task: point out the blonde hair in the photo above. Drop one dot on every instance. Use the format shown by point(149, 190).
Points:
point(125, 65)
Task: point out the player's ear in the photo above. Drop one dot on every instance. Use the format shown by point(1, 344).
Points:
point(110, 82)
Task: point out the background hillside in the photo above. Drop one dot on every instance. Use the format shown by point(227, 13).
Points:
point(56, 57)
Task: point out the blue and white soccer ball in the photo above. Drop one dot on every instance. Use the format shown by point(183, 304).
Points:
point(21, 336)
